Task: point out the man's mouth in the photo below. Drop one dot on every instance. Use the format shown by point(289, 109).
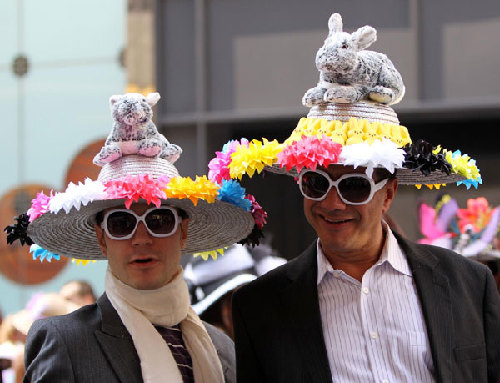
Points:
point(335, 220)
point(146, 261)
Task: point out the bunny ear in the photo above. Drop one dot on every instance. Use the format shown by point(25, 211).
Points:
point(364, 37)
point(335, 23)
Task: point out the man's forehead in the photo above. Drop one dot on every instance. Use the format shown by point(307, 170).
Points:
point(138, 208)
point(335, 171)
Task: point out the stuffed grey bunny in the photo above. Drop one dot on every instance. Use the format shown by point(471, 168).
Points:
point(134, 132)
point(348, 73)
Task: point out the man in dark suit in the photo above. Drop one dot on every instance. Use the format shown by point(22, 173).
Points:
point(141, 217)
point(364, 304)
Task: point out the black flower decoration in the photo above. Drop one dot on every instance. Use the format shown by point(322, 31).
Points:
point(419, 156)
point(19, 231)
point(253, 239)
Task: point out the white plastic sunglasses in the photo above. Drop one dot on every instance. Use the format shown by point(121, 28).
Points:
point(353, 189)
point(121, 224)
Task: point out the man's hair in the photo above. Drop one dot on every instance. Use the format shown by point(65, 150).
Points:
point(84, 288)
point(382, 173)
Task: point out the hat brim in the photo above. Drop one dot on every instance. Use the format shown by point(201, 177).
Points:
point(212, 226)
point(404, 176)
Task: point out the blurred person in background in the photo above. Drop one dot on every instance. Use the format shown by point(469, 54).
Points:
point(212, 283)
point(14, 332)
point(79, 292)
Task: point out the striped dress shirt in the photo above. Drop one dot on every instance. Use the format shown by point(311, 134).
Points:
point(374, 330)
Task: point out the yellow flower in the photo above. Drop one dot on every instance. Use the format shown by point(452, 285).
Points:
point(82, 262)
point(213, 253)
point(254, 157)
point(462, 164)
point(186, 188)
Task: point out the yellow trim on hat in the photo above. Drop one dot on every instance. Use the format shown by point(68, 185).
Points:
point(354, 131)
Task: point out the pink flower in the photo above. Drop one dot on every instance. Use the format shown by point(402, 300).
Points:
point(477, 215)
point(39, 205)
point(219, 168)
point(135, 187)
point(310, 152)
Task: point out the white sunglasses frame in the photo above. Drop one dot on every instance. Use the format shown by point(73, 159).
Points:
point(375, 187)
point(140, 218)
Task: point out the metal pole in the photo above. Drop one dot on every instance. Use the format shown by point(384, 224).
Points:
point(201, 63)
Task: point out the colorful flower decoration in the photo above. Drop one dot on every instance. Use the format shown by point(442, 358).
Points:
point(309, 152)
point(258, 213)
point(232, 192)
point(39, 205)
point(470, 232)
point(19, 231)
point(77, 195)
point(476, 216)
point(82, 262)
point(185, 187)
point(421, 156)
point(219, 166)
point(213, 253)
point(465, 166)
point(253, 157)
point(381, 153)
point(135, 187)
point(41, 253)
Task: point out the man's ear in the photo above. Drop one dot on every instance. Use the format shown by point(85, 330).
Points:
point(184, 232)
point(390, 192)
point(101, 239)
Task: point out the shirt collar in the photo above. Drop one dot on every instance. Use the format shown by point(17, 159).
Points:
point(391, 253)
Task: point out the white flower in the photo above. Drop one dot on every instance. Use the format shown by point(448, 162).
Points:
point(77, 196)
point(382, 153)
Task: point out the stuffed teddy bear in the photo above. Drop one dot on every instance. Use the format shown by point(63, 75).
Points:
point(348, 73)
point(134, 132)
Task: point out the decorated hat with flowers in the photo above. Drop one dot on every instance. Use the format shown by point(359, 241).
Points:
point(138, 166)
point(472, 232)
point(350, 122)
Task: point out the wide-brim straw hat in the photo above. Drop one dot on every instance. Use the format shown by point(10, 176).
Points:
point(64, 223)
point(362, 133)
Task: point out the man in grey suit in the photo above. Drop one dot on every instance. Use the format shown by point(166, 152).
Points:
point(363, 304)
point(140, 216)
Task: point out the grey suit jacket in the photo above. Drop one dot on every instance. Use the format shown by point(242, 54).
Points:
point(92, 345)
point(279, 337)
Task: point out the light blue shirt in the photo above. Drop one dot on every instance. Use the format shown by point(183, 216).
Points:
point(374, 330)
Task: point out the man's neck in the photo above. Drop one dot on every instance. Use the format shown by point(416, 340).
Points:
point(356, 264)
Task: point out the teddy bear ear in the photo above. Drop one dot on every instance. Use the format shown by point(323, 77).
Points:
point(114, 99)
point(152, 98)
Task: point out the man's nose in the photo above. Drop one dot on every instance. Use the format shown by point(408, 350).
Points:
point(333, 201)
point(141, 235)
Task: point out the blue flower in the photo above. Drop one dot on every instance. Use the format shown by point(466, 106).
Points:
point(233, 193)
point(471, 182)
point(39, 252)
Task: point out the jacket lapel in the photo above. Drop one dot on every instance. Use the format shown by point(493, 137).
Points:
point(434, 293)
point(300, 301)
point(117, 344)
